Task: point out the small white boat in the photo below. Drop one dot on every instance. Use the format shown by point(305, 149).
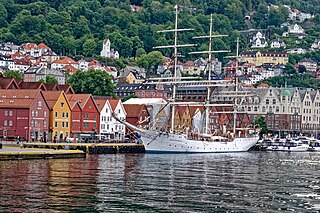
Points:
point(314, 146)
point(287, 145)
point(296, 146)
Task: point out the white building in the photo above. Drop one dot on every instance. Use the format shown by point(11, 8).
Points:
point(316, 44)
point(295, 29)
point(259, 41)
point(118, 129)
point(105, 119)
point(107, 52)
point(296, 51)
point(277, 43)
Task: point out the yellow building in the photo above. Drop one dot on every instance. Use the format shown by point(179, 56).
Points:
point(132, 79)
point(60, 112)
point(264, 57)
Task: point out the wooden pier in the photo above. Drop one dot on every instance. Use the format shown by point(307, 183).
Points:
point(20, 153)
point(91, 148)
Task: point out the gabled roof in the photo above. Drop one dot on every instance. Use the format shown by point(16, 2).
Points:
point(8, 82)
point(51, 86)
point(66, 88)
point(51, 97)
point(113, 104)
point(13, 99)
point(100, 104)
point(81, 98)
point(69, 68)
point(65, 61)
point(32, 85)
point(134, 110)
point(42, 46)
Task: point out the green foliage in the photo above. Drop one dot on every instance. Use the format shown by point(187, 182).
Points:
point(49, 79)
point(129, 97)
point(78, 27)
point(95, 82)
point(261, 123)
point(152, 59)
point(304, 80)
point(13, 74)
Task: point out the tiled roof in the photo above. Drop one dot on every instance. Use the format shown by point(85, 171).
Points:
point(133, 110)
point(70, 68)
point(51, 97)
point(31, 85)
point(6, 82)
point(43, 46)
point(100, 104)
point(113, 104)
point(65, 61)
point(66, 88)
point(51, 86)
point(17, 98)
point(29, 46)
point(81, 98)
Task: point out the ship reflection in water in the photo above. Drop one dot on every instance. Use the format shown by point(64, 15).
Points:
point(247, 182)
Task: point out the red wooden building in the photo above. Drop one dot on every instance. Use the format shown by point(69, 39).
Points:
point(138, 115)
point(23, 113)
point(90, 115)
point(75, 118)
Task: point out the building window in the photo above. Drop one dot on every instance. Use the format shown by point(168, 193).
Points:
point(67, 125)
point(44, 114)
point(106, 110)
point(95, 116)
point(62, 105)
point(56, 114)
point(90, 106)
point(10, 113)
point(63, 114)
point(56, 124)
point(32, 113)
point(107, 126)
point(39, 103)
point(63, 124)
point(72, 124)
point(5, 123)
point(44, 124)
point(10, 123)
point(72, 115)
point(267, 101)
point(67, 115)
point(103, 126)
point(6, 113)
point(94, 125)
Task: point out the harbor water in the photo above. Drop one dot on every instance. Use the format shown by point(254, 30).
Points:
point(237, 182)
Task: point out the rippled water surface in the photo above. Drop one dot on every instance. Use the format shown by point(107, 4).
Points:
point(243, 182)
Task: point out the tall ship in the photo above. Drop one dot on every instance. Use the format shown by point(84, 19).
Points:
point(170, 140)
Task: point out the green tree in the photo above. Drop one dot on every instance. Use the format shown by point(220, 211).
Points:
point(95, 82)
point(152, 59)
point(261, 123)
point(129, 97)
point(89, 47)
point(13, 74)
point(49, 79)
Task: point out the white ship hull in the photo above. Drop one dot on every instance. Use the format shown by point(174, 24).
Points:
point(156, 142)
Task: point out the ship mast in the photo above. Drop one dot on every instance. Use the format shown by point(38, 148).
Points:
point(236, 89)
point(175, 47)
point(209, 52)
